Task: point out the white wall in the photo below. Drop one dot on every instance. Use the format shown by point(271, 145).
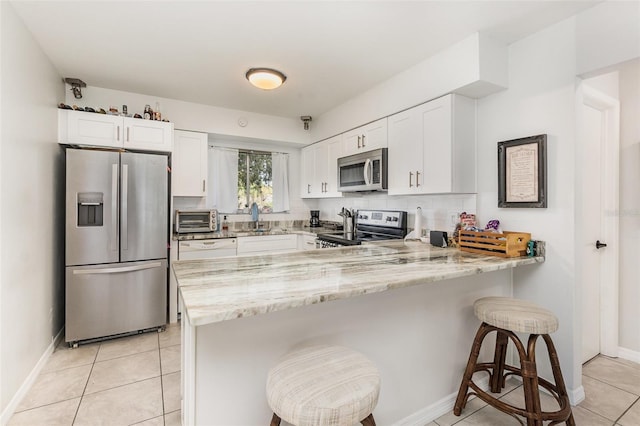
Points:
point(197, 117)
point(629, 75)
point(540, 99)
point(607, 34)
point(475, 67)
point(31, 194)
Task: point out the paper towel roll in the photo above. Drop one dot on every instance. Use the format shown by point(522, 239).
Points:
point(417, 227)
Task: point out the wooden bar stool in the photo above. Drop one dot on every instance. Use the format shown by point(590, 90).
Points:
point(506, 316)
point(323, 386)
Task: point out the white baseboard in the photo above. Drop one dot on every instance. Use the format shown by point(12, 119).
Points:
point(437, 409)
point(576, 396)
point(30, 380)
point(629, 355)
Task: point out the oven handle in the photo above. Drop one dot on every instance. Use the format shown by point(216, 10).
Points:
point(367, 170)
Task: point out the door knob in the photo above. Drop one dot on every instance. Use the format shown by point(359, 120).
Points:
point(599, 245)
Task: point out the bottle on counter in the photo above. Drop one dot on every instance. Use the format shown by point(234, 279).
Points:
point(225, 224)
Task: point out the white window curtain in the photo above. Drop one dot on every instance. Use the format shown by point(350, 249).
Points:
point(223, 179)
point(280, 174)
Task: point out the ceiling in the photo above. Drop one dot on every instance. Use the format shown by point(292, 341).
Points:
point(330, 51)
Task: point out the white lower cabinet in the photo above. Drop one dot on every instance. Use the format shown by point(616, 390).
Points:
point(267, 244)
point(207, 249)
point(306, 242)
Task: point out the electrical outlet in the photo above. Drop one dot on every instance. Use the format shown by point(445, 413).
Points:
point(454, 218)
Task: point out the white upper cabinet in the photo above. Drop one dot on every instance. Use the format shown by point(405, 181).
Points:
point(189, 164)
point(365, 138)
point(432, 148)
point(319, 174)
point(76, 127)
point(147, 134)
point(86, 128)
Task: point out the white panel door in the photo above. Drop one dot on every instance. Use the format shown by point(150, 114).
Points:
point(591, 232)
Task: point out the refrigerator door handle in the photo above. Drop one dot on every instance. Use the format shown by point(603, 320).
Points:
point(117, 270)
point(114, 207)
point(123, 219)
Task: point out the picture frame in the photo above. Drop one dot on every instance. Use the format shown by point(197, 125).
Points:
point(522, 172)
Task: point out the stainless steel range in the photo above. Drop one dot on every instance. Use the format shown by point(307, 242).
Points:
point(370, 225)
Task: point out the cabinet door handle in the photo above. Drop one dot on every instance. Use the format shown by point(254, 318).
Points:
point(363, 141)
point(417, 178)
point(127, 133)
point(204, 185)
point(308, 188)
point(358, 141)
point(118, 134)
point(410, 179)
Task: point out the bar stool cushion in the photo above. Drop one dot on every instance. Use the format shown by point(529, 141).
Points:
point(323, 385)
point(515, 315)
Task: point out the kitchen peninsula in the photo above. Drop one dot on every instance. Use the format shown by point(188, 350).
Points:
point(241, 314)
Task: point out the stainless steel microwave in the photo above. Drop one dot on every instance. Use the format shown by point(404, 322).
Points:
point(366, 171)
point(196, 221)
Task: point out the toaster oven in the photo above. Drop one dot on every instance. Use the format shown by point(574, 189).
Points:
point(196, 221)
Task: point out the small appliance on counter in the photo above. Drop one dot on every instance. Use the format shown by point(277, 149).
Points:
point(196, 221)
point(314, 221)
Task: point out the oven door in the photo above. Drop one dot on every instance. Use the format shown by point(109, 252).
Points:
point(363, 172)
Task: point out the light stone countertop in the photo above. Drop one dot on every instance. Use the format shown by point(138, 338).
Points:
point(215, 290)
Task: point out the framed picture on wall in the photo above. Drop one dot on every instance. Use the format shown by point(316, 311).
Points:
point(522, 172)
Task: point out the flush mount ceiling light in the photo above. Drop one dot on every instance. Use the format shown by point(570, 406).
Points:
point(265, 78)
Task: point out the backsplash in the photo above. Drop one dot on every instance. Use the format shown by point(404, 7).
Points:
point(437, 210)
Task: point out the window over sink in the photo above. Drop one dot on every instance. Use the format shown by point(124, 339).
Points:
point(244, 176)
point(255, 181)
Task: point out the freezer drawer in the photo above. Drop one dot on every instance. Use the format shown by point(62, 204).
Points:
point(102, 300)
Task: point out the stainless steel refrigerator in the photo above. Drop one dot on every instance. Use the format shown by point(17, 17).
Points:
point(116, 242)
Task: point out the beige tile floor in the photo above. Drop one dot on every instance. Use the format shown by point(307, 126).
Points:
point(136, 381)
point(612, 389)
point(126, 381)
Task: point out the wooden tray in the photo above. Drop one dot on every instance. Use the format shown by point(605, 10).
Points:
point(506, 244)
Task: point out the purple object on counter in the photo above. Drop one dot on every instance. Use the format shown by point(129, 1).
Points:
point(493, 224)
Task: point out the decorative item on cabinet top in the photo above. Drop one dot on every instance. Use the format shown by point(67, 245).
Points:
point(111, 111)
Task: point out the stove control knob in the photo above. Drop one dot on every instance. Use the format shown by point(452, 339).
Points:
point(389, 219)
